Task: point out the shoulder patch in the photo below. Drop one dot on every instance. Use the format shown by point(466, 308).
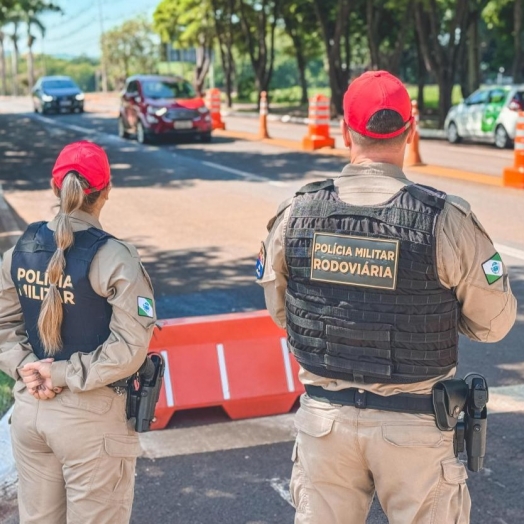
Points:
point(493, 269)
point(145, 307)
point(460, 204)
point(261, 262)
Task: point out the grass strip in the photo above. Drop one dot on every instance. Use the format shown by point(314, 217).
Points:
point(6, 397)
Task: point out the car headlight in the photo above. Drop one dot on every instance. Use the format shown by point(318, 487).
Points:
point(80, 96)
point(161, 112)
point(203, 110)
point(155, 111)
point(47, 98)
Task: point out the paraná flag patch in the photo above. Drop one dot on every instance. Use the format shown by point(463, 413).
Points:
point(493, 269)
point(145, 307)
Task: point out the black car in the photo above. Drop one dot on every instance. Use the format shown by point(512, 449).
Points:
point(57, 93)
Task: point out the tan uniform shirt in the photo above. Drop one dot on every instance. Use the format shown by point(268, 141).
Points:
point(488, 311)
point(117, 274)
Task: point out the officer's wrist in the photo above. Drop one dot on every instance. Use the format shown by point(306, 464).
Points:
point(58, 374)
point(31, 357)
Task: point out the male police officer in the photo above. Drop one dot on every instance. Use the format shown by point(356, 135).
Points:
point(374, 277)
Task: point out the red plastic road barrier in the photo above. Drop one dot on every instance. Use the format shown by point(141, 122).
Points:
point(238, 361)
point(514, 176)
point(213, 104)
point(318, 130)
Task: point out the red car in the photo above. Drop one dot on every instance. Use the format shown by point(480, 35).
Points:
point(162, 106)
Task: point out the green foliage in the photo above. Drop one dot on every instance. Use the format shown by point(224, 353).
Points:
point(6, 398)
point(129, 49)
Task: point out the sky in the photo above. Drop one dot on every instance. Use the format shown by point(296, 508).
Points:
point(77, 30)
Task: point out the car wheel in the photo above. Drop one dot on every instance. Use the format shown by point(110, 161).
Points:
point(501, 137)
point(206, 138)
point(43, 111)
point(122, 133)
point(453, 134)
point(141, 135)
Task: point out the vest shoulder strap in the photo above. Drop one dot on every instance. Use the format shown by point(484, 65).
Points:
point(28, 236)
point(281, 208)
point(313, 187)
point(427, 195)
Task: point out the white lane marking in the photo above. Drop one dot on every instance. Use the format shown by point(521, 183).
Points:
point(510, 251)
point(167, 381)
point(67, 126)
point(281, 487)
point(287, 365)
point(243, 174)
point(223, 371)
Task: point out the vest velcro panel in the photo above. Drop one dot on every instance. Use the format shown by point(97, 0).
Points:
point(365, 334)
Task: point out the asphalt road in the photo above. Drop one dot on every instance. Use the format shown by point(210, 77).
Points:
point(197, 214)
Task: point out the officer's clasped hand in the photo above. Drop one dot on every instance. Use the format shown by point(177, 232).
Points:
point(37, 378)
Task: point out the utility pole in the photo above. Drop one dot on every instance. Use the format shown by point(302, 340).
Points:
point(102, 41)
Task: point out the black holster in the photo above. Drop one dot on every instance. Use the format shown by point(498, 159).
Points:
point(460, 405)
point(143, 391)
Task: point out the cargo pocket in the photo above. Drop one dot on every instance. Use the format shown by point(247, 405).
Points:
point(402, 435)
point(312, 430)
point(115, 476)
point(452, 501)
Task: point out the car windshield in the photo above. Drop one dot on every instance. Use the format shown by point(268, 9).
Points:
point(58, 84)
point(168, 89)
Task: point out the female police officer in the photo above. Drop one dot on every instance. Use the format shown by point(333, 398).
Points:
point(76, 315)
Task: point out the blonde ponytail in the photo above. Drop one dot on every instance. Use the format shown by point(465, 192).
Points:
point(72, 198)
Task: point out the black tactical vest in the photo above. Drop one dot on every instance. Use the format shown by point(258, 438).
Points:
point(364, 301)
point(86, 315)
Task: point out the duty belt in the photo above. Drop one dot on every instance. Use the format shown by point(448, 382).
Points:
point(361, 399)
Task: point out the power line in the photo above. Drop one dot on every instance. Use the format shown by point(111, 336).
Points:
point(82, 26)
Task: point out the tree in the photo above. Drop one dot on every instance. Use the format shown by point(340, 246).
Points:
point(441, 27)
point(227, 34)
point(30, 12)
point(258, 20)
point(389, 25)
point(129, 49)
point(302, 27)
point(190, 23)
point(333, 17)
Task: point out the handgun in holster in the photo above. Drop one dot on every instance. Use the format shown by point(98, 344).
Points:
point(143, 391)
point(460, 406)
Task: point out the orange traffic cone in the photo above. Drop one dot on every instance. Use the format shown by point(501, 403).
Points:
point(514, 176)
point(318, 129)
point(413, 153)
point(263, 132)
point(213, 104)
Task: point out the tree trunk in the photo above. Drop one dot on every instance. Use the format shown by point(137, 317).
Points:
point(445, 85)
point(203, 63)
point(473, 51)
point(299, 55)
point(3, 88)
point(332, 34)
point(421, 75)
point(14, 61)
point(373, 19)
point(517, 29)
point(30, 62)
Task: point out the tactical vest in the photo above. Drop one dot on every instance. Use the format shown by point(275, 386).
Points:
point(87, 315)
point(364, 302)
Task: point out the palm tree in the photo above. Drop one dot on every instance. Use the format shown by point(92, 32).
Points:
point(31, 10)
point(5, 7)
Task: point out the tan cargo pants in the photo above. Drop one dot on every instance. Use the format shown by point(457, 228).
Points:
point(343, 455)
point(75, 456)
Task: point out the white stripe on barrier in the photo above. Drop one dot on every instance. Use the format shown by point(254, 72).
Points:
point(519, 132)
point(519, 145)
point(314, 112)
point(223, 371)
point(167, 381)
point(287, 365)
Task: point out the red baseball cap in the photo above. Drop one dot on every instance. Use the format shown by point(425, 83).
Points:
point(86, 158)
point(371, 92)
